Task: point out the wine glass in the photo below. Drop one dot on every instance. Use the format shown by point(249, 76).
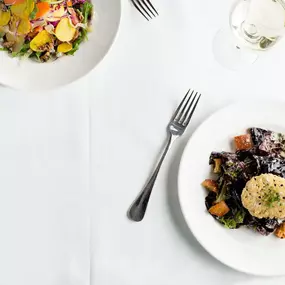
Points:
point(254, 27)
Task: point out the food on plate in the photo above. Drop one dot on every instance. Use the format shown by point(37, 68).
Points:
point(219, 209)
point(264, 196)
point(211, 185)
point(249, 189)
point(280, 231)
point(43, 30)
point(217, 165)
point(243, 142)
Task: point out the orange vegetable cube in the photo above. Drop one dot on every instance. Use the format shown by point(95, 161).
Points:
point(280, 231)
point(219, 209)
point(211, 185)
point(243, 142)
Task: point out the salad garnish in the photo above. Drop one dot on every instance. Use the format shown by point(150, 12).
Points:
point(44, 30)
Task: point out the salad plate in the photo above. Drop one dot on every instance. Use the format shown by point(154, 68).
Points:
point(48, 44)
point(239, 247)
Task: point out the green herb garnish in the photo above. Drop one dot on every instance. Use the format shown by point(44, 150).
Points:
point(271, 197)
point(34, 12)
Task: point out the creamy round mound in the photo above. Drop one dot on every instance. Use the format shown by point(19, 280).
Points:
point(264, 196)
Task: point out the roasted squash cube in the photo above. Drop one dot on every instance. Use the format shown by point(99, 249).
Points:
point(280, 231)
point(219, 209)
point(211, 185)
point(243, 142)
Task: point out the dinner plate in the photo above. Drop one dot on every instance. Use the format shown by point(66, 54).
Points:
point(242, 249)
point(33, 76)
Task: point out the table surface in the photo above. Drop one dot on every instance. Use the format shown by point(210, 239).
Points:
point(129, 98)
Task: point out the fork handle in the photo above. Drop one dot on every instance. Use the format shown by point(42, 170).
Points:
point(139, 206)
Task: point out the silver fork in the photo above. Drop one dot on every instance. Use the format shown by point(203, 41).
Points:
point(146, 8)
point(175, 129)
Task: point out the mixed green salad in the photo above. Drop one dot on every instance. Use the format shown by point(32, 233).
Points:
point(43, 30)
point(249, 189)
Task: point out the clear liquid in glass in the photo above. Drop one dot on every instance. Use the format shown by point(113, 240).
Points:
point(258, 24)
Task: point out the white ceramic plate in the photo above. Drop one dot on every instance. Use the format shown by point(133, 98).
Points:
point(29, 75)
point(241, 249)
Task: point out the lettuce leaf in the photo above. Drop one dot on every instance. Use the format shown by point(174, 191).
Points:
point(82, 37)
point(25, 48)
point(34, 12)
point(233, 221)
point(86, 10)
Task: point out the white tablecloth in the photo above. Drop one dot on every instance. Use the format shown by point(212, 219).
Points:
point(44, 188)
point(131, 96)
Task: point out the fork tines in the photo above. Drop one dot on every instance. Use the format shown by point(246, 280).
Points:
point(187, 107)
point(146, 8)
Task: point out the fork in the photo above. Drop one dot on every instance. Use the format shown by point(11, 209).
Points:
point(146, 8)
point(176, 127)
